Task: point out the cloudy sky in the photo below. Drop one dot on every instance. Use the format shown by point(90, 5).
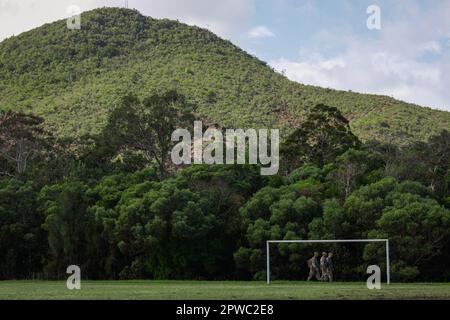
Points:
point(319, 42)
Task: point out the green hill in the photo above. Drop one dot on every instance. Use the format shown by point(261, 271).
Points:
point(73, 78)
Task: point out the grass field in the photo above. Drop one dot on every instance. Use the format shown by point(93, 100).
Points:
point(169, 290)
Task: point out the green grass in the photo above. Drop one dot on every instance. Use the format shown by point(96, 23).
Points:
point(168, 290)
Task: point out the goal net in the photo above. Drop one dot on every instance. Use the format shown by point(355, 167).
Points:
point(338, 247)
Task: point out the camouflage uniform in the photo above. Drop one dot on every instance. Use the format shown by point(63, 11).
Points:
point(329, 268)
point(313, 265)
point(323, 268)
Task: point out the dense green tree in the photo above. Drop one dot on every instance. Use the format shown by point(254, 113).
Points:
point(425, 162)
point(355, 168)
point(405, 213)
point(183, 227)
point(70, 228)
point(146, 126)
point(22, 241)
point(435, 159)
point(418, 230)
point(324, 135)
point(274, 214)
point(21, 141)
point(107, 195)
point(96, 203)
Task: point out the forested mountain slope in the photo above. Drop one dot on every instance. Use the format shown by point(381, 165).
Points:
point(73, 78)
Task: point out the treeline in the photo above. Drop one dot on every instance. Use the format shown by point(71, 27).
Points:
point(74, 77)
point(115, 205)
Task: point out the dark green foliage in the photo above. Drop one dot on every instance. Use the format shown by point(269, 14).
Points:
point(416, 225)
point(134, 226)
point(146, 126)
point(71, 230)
point(212, 222)
point(95, 210)
point(324, 135)
point(22, 139)
point(104, 198)
point(282, 213)
point(418, 228)
point(353, 169)
point(22, 241)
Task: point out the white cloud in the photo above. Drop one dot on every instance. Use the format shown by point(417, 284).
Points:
point(260, 32)
point(19, 16)
point(377, 72)
point(315, 71)
point(222, 17)
point(395, 63)
point(431, 47)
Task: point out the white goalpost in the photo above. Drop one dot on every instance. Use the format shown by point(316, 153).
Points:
point(386, 241)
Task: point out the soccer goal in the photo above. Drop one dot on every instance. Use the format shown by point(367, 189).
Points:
point(386, 241)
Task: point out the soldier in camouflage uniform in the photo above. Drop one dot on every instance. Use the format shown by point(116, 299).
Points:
point(329, 266)
point(313, 265)
point(323, 268)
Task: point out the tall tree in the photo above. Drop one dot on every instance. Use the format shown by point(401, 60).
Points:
point(439, 162)
point(70, 227)
point(352, 168)
point(323, 136)
point(22, 241)
point(146, 126)
point(427, 162)
point(21, 140)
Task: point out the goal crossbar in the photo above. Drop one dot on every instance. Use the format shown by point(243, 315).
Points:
point(386, 241)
